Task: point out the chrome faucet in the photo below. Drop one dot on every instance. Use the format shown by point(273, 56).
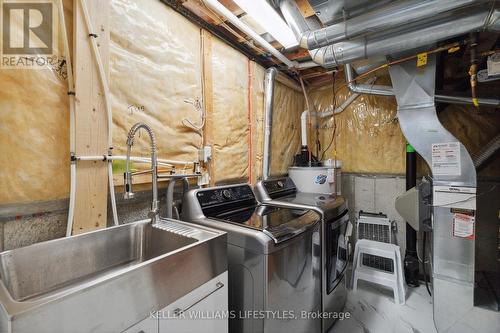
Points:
point(154, 214)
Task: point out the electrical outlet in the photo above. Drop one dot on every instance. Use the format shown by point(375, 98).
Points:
point(205, 154)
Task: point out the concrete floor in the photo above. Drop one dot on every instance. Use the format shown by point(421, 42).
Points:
point(373, 310)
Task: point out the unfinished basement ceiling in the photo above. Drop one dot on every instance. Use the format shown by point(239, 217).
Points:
point(197, 10)
point(318, 13)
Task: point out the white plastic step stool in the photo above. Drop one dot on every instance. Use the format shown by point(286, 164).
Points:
point(393, 280)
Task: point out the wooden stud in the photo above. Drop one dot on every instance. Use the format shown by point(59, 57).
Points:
point(232, 6)
point(298, 54)
point(305, 8)
point(199, 9)
point(90, 119)
point(202, 11)
point(256, 112)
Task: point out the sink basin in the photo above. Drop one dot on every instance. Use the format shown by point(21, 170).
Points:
point(46, 267)
point(89, 276)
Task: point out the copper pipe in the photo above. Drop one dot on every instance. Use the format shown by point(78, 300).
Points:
point(473, 68)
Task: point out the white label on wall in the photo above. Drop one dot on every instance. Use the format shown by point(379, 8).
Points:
point(446, 159)
point(463, 225)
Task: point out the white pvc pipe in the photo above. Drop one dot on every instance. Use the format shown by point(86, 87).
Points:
point(72, 192)
point(165, 162)
point(339, 109)
point(112, 193)
point(307, 64)
point(72, 142)
point(303, 127)
point(223, 11)
point(147, 160)
point(105, 87)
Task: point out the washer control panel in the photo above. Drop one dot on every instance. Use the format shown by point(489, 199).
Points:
point(225, 195)
point(284, 184)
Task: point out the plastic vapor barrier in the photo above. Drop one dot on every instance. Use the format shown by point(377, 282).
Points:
point(156, 77)
point(229, 125)
point(368, 137)
point(288, 106)
point(34, 129)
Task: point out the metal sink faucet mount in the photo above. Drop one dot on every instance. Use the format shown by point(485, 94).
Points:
point(129, 194)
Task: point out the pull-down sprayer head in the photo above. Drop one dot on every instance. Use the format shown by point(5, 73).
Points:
point(154, 173)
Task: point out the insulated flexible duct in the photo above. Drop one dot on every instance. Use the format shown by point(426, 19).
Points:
point(484, 154)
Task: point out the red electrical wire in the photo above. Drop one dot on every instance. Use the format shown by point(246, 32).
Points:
point(250, 150)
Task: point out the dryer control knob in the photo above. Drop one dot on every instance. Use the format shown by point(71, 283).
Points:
point(226, 194)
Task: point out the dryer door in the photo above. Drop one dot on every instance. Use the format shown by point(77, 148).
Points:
point(336, 250)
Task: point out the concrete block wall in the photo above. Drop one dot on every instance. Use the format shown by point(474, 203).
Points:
point(24, 225)
point(376, 194)
point(22, 231)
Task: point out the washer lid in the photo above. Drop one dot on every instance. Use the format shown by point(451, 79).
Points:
point(278, 223)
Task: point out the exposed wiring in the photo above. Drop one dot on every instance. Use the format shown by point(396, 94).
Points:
point(199, 103)
point(198, 106)
point(448, 47)
point(420, 259)
point(250, 121)
point(465, 200)
point(334, 106)
point(423, 265)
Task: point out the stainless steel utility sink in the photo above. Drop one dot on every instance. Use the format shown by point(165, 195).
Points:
point(37, 270)
point(107, 280)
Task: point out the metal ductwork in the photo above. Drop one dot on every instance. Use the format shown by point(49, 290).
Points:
point(454, 192)
point(414, 91)
point(364, 48)
point(385, 42)
point(269, 81)
point(373, 89)
point(390, 16)
point(346, 52)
